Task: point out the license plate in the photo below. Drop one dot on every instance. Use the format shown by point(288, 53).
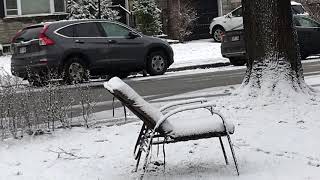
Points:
point(22, 50)
point(235, 38)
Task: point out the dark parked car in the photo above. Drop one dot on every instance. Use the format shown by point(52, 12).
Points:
point(233, 45)
point(73, 49)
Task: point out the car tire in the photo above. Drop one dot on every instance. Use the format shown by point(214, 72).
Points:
point(217, 33)
point(157, 63)
point(75, 71)
point(237, 61)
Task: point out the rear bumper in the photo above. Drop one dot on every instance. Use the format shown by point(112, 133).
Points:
point(240, 54)
point(27, 66)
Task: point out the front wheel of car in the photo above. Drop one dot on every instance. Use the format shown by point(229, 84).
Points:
point(75, 71)
point(217, 33)
point(157, 63)
point(237, 61)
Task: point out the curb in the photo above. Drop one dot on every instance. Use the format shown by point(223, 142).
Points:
point(202, 66)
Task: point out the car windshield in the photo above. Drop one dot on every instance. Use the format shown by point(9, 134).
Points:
point(28, 34)
point(297, 9)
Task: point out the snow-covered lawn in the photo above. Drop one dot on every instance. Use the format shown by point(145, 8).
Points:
point(273, 140)
point(197, 52)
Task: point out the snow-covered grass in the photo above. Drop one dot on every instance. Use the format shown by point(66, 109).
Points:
point(275, 140)
point(197, 52)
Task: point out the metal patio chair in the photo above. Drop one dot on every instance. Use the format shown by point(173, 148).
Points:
point(159, 128)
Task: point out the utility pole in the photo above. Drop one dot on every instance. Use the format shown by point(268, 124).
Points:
point(99, 9)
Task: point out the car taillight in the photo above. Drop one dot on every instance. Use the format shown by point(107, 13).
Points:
point(44, 40)
point(222, 37)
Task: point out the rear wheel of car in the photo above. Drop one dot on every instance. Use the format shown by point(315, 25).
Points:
point(75, 71)
point(217, 33)
point(157, 63)
point(237, 61)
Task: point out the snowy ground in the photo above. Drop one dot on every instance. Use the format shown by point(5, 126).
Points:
point(272, 141)
point(275, 140)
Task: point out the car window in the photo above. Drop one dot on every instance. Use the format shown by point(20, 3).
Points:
point(67, 31)
point(237, 12)
point(306, 22)
point(115, 30)
point(297, 9)
point(28, 34)
point(87, 30)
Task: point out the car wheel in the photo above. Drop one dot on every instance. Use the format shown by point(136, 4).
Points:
point(237, 61)
point(217, 33)
point(75, 71)
point(157, 63)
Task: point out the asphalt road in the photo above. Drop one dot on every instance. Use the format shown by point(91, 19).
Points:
point(164, 86)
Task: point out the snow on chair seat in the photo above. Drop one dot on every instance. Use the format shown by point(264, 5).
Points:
point(198, 123)
point(179, 124)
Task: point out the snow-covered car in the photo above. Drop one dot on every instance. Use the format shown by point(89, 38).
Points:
point(233, 19)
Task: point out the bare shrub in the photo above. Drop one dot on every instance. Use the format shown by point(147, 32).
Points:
point(86, 101)
point(188, 16)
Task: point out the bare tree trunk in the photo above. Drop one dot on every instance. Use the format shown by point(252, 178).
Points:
point(174, 18)
point(274, 61)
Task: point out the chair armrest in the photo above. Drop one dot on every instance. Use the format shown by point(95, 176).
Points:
point(207, 106)
point(189, 101)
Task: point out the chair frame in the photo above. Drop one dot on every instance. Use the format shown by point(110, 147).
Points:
point(147, 134)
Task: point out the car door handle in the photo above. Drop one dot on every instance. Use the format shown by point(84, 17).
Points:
point(112, 41)
point(79, 41)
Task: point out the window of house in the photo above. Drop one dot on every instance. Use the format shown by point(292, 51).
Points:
point(29, 7)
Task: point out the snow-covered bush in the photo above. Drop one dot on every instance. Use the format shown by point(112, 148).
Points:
point(188, 15)
point(89, 9)
point(147, 16)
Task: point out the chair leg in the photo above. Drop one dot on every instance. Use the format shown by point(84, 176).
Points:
point(233, 154)
point(146, 158)
point(139, 138)
point(223, 150)
point(138, 160)
point(113, 106)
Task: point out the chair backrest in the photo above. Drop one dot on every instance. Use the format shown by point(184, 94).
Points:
point(133, 101)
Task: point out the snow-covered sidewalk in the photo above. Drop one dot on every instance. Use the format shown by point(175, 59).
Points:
point(276, 140)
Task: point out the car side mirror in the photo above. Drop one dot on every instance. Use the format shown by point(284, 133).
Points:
point(133, 35)
point(229, 16)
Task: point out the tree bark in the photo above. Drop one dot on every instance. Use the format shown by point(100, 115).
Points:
point(174, 18)
point(274, 61)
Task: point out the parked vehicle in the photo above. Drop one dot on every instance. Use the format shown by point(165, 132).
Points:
point(233, 45)
point(74, 49)
point(233, 19)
